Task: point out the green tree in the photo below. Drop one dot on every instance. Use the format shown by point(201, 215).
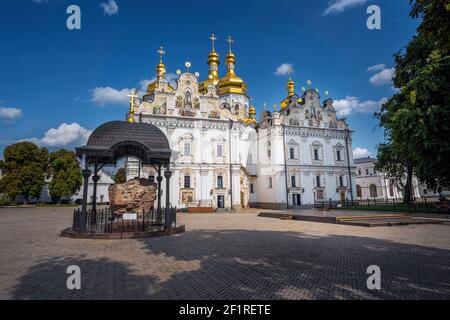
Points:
point(66, 174)
point(121, 176)
point(417, 118)
point(24, 167)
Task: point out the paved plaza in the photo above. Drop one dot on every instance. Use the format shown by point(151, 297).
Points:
point(223, 256)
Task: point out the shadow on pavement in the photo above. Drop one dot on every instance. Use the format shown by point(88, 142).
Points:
point(242, 264)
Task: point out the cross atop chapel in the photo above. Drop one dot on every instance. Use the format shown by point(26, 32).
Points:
point(230, 42)
point(213, 39)
point(161, 53)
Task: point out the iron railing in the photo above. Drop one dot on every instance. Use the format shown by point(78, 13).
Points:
point(422, 205)
point(104, 221)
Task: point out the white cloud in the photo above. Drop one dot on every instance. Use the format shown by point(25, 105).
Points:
point(10, 113)
point(64, 135)
point(361, 152)
point(376, 68)
point(171, 77)
point(285, 69)
point(351, 104)
point(111, 8)
point(102, 96)
point(383, 77)
point(337, 6)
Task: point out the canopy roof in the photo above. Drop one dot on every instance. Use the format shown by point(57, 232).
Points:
point(116, 139)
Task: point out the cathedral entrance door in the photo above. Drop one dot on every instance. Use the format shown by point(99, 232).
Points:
point(220, 202)
point(343, 197)
point(296, 200)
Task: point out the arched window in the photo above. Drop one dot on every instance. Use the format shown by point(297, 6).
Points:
point(339, 152)
point(186, 146)
point(316, 149)
point(373, 191)
point(358, 191)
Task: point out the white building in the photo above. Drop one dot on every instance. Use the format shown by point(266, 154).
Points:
point(372, 184)
point(223, 157)
point(105, 180)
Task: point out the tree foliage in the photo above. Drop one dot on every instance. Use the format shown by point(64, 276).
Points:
point(417, 118)
point(121, 176)
point(66, 174)
point(24, 167)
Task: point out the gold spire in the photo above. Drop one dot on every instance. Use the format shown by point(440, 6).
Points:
point(251, 114)
point(231, 83)
point(213, 73)
point(132, 96)
point(161, 68)
point(291, 92)
point(291, 87)
point(252, 110)
point(160, 75)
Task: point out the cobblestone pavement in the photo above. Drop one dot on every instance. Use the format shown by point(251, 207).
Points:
point(223, 256)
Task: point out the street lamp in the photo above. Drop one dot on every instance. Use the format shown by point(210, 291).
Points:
point(347, 136)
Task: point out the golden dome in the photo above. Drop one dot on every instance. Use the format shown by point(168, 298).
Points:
point(213, 73)
point(291, 87)
point(231, 83)
point(160, 75)
point(291, 92)
point(160, 71)
point(252, 111)
point(213, 57)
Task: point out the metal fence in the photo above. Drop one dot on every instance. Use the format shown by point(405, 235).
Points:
point(104, 221)
point(422, 205)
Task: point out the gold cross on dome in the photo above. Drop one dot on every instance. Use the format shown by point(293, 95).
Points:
point(161, 53)
point(213, 39)
point(132, 96)
point(230, 42)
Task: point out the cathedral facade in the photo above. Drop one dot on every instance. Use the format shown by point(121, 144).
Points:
point(223, 157)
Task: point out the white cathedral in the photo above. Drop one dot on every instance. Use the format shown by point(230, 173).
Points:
point(223, 157)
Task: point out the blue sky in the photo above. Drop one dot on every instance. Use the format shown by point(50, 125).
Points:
point(58, 84)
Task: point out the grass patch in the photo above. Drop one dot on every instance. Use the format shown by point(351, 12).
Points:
point(397, 208)
point(51, 205)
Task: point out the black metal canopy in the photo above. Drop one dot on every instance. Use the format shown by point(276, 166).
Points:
point(116, 139)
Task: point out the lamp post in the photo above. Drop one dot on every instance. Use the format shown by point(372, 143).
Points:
point(231, 165)
point(285, 167)
point(347, 136)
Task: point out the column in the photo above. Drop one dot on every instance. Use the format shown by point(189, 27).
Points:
point(159, 180)
point(95, 179)
point(86, 174)
point(83, 215)
point(169, 218)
